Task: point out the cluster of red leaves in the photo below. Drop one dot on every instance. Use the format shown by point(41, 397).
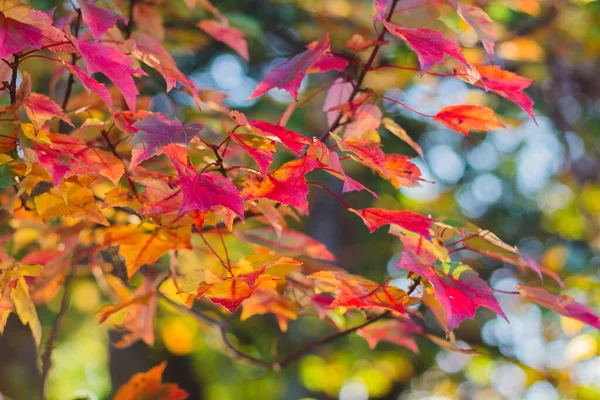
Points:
point(161, 190)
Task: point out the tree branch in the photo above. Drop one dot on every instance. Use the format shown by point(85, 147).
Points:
point(71, 80)
point(337, 123)
point(47, 356)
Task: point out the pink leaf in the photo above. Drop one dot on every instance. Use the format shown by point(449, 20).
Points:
point(112, 63)
point(338, 94)
point(156, 131)
point(40, 108)
point(232, 37)
point(458, 288)
point(480, 22)
point(290, 139)
point(97, 19)
point(563, 305)
point(288, 76)
point(375, 218)
point(90, 84)
point(15, 36)
point(430, 45)
point(203, 191)
point(151, 52)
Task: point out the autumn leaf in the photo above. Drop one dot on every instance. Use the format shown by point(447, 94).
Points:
point(338, 94)
point(353, 291)
point(68, 156)
point(149, 386)
point(90, 84)
point(563, 304)
point(98, 20)
point(288, 242)
point(375, 218)
point(16, 33)
point(401, 171)
point(98, 57)
point(430, 45)
point(71, 199)
point(290, 139)
point(366, 152)
point(40, 108)
point(478, 19)
point(259, 148)
point(396, 331)
point(249, 274)
point(289, 75)
point(156, 131)
point(270, 302)
point(458, 288)
point(151, 52)
point(508, 85)
point(286, 185)
point(397, 130)
point(333, 165)
point(222, 32)
point(464, 118)
point(203, 190)
point(146, 243)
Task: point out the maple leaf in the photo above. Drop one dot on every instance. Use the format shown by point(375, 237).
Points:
point(375, 218)
point(140, 310)
point(222, 32)
point(333, 166)
point(287, 242)
point(98, 57)
point(464, 118)
point(156, 131)
point(290, 139)
point(480, 22)
point(149, 386)
point(259, 148)
point(202, 191)
point(430, 45)
point(90, 84)
point(401, 171)
point(289, 75)
point(366, 152)
point(397, 130)
point(508, 85)
point(67, 156)
point(458, 288)
point(366, 118)
point(268, 301)
point(338, 94)
point(396, 331)
point(15, 33)
point(564, 305)
point(98, 20)
point(151, 52)
point(40, 108)
point(71, 199)
point(286, 185)
point(357, 292)
point(246, 277)
point(146, 243)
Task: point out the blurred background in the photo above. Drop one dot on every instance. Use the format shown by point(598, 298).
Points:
point(535, 186)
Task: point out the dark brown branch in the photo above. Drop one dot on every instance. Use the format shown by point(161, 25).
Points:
point(47, 356)
point(357, 87)
point(324, 340)
point(71, 80)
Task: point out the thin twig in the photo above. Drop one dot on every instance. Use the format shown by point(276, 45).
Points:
point(47, 355)
point(71, 80)
point(363, 73)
